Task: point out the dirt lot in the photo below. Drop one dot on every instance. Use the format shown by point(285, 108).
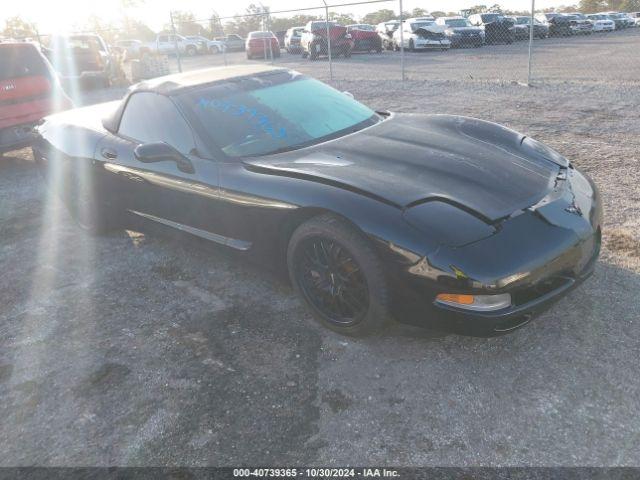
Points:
point(135, 349)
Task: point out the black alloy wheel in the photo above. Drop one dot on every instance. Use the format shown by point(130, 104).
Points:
point(331, 280)
point(335, 270)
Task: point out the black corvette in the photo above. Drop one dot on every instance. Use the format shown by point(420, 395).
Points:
point(430, 219)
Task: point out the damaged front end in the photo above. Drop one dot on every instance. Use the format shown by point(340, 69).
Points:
point(489, 277)
point(431, 37)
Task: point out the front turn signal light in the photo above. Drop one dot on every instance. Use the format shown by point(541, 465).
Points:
point(479, 303)
point(455, 298)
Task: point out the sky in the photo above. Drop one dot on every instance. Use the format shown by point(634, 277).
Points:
point(64, 15)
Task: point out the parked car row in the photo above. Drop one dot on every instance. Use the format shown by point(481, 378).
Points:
point(429, 33)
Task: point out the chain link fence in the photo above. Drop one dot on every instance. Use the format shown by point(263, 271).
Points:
point(524, 45)
point(339, 43)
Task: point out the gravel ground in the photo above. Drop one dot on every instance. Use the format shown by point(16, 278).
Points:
point(138, 349)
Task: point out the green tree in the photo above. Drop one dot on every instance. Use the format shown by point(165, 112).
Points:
point(253, 20)
point(342, 18)
point(138, 30)
point(109, 31)
point(379, 16)
point(476, 9)
point(185, 24)
point(630, 6)
point(284, 23)
point(215, 26)
point(17, 27)
point(419, 12)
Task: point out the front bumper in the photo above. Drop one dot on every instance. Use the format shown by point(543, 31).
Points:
point(535, 300)
point(365, 45)
point(16, 137)
point(432, 44)
point(458, 40)
point(536, 255)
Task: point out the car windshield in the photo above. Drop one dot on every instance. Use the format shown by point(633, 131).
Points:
point(490, 17)
point(268, 114)
point(457, 22)
point(367, 28)
point(415, 26)
point(523, 20)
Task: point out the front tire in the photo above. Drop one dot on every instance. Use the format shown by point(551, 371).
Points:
point(335, 270)
point(92, 217)
point(191, 51)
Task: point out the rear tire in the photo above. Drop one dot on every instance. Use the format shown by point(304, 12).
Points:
point(335, 270)
point(313, 51)
point(93, 218)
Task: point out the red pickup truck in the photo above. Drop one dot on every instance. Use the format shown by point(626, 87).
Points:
point(365, 38)
point(29, 90)
point(314, 43)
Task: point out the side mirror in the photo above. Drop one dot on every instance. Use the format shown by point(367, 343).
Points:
point(162, 152)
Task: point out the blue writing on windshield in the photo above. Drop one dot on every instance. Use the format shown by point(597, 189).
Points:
point(250, 114)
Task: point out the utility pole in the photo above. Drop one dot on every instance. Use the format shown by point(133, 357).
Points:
point(401, 27)
point(326, 17)
point(175, 41)
point(531, 28)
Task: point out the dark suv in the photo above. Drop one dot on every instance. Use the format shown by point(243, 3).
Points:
point(29, 90)
point(81, 58)
point(313, 41)
point(497, 28)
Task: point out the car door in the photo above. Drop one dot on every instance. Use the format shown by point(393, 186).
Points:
point(163, 191)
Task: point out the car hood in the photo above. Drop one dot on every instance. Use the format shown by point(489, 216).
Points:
point(407, 158)
point(430, 29)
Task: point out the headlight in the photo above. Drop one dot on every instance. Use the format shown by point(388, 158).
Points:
point(478, 303)
point(449, 31)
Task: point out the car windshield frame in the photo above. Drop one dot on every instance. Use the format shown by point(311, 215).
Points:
point(490, 17)
point(415, 26)
point(464, 21)
point(369, 28)
point(228, 90)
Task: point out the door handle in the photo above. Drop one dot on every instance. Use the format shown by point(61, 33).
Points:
point(109, 154)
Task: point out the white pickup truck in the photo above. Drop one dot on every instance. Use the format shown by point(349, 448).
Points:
point(165, 44)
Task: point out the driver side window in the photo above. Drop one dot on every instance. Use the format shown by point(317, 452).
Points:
point(151, 117)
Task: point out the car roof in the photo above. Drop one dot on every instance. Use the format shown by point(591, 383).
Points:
point(170, 84)
point(173, 84)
